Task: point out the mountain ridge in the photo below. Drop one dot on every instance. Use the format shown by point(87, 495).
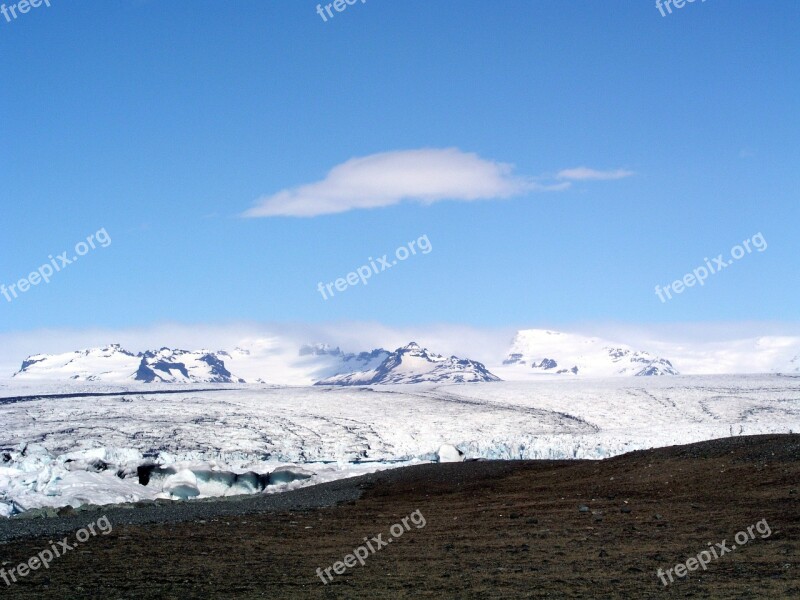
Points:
point(166, 365)
point(532, 353)
point(542, 351)
point(413, 364)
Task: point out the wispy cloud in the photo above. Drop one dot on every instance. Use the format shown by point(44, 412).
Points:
point(426, 176)
point(587, 174)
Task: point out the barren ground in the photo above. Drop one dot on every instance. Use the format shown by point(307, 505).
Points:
point(493, 530)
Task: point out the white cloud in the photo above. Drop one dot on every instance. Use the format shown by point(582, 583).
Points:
point(426, 175)
point(587, 174)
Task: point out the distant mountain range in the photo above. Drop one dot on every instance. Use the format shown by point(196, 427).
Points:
point(409, 364)
point(539, 351)
point(114, 363)
point(534, 353)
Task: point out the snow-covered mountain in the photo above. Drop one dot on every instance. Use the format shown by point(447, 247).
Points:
point(414, 364)
point(262, 361)
point(538, 351)
point(181, 366)
point(115, 364)
point(256, 363)
point(111, 363)
point(281, 361)
point(284, 359)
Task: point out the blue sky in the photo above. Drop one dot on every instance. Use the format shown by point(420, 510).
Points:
point(163, 122)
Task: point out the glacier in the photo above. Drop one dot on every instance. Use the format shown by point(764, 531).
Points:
point(223, 440)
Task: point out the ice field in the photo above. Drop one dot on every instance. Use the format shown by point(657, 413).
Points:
point(244, 439)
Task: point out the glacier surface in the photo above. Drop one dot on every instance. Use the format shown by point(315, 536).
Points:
point(80, 449)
